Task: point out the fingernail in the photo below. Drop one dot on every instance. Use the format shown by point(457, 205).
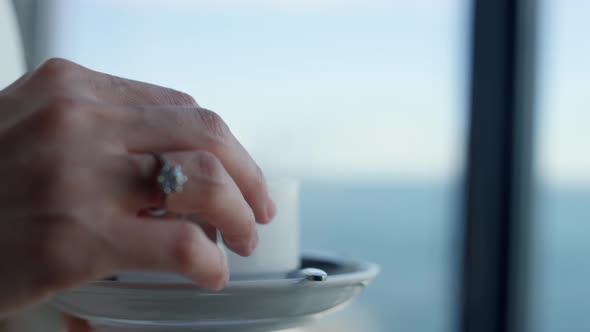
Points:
point(271, 209)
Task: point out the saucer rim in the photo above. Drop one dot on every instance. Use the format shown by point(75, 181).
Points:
point(363, 272)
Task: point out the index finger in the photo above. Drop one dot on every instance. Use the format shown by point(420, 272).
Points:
point(163, 129)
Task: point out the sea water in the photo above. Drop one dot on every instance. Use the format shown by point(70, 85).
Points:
point(413, 231)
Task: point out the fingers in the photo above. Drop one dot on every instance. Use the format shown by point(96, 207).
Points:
point(159, 127)
point(168, 246)
point(211, 194)
point(172, 129)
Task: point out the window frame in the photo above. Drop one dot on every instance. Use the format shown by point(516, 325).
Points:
point(497, 193)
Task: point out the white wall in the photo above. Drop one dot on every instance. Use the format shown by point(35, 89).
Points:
point(12, 63)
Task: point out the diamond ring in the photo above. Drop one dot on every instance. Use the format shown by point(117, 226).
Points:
point(170, 179)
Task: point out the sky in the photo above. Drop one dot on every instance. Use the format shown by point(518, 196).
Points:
point(335, 89)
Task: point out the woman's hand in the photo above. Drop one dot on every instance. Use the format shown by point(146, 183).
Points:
point(77, 169)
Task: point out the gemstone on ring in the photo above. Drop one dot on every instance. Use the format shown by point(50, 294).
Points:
point(171, 179)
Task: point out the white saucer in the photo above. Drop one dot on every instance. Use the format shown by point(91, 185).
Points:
point(245, 306)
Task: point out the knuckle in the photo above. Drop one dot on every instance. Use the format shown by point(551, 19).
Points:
point(210, 168)
point(214, 182)
point(56, 69)
point(60, 103)
point(175, 97)
point(62, 113)
point(216, 129)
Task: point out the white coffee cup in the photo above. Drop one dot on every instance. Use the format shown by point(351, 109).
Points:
point(278, 247)
point(277, 253)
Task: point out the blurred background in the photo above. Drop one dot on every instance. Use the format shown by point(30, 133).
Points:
point(366, 103)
